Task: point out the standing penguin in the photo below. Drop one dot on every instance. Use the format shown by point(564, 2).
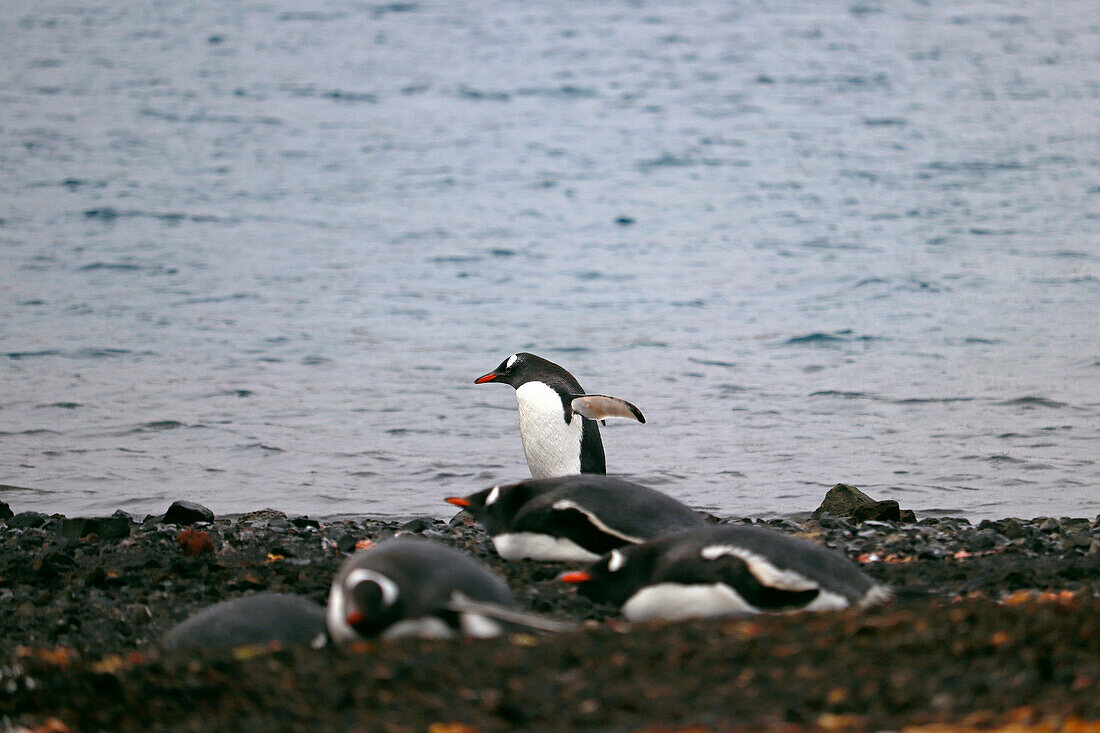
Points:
point(557, 419)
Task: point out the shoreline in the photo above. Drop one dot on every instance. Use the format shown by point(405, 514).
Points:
point(995, 622)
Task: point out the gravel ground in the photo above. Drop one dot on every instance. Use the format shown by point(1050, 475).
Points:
point(996, 625)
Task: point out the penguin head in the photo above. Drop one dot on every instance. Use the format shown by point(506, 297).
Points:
point(518, 369)
point(615, 577)
point(495, 507)
point(514, 370)
point(371, 601)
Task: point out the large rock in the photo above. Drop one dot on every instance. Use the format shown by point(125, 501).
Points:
point(842, 501)
point(187, 512)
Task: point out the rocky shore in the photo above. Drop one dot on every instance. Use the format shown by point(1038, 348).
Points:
point(996, 625)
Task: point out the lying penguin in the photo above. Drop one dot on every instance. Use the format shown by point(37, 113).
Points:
point(257, 620)
point(725, 570)
point(557, 420)
point(399, 587)
point(574, 518)
point(413, 587)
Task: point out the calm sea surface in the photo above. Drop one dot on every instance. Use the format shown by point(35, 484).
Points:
point(254, 255)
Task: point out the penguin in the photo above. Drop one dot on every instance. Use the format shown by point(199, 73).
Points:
point(725, 570)
point(414, 587)
point(557, 419)
point(574, 518)
point(257, 620)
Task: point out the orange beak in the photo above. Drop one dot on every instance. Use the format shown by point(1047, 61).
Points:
point(457, 501)
point(577, 576)
point(486, 378)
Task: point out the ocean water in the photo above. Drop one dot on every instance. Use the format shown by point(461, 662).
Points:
point(255, 255)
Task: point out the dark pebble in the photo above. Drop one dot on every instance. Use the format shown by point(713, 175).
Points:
point(304, 522)
point(879, 511)
point(345, 543)
point(187, 512)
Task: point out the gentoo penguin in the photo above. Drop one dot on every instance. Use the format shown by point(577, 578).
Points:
point(256, 620)
point(574, 518)
point(557, 420)
point(725, 570)
point(413, 587)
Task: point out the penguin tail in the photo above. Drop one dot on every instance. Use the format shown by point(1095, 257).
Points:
point(460, 603)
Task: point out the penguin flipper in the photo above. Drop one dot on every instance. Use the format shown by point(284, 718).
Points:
point(601, 407)
point(460, 603)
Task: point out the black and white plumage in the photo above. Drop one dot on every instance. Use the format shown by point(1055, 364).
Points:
point(557, 419)
point(724, 570)
point(413, 587)
point(257, 620)
point(574, 518)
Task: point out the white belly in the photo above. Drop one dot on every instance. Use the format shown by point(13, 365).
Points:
point(541, 547)
point(674, 601)
point(552, 447)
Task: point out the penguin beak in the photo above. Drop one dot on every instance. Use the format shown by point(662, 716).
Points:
point(577, 576)
point(457, 501)
point(491, 376)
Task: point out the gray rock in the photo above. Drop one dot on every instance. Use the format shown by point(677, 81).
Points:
point(345, 543)
point(842, 501)
point(263, 515)
point(26, 520)
point(187, 512)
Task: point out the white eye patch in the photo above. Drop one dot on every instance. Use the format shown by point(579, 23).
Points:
point(361, 575)
point(493, 496)
point(511, 361)
point(616, 561)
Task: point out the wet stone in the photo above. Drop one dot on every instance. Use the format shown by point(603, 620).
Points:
point(887, 510)
point(416, 525)
point(187, 512)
